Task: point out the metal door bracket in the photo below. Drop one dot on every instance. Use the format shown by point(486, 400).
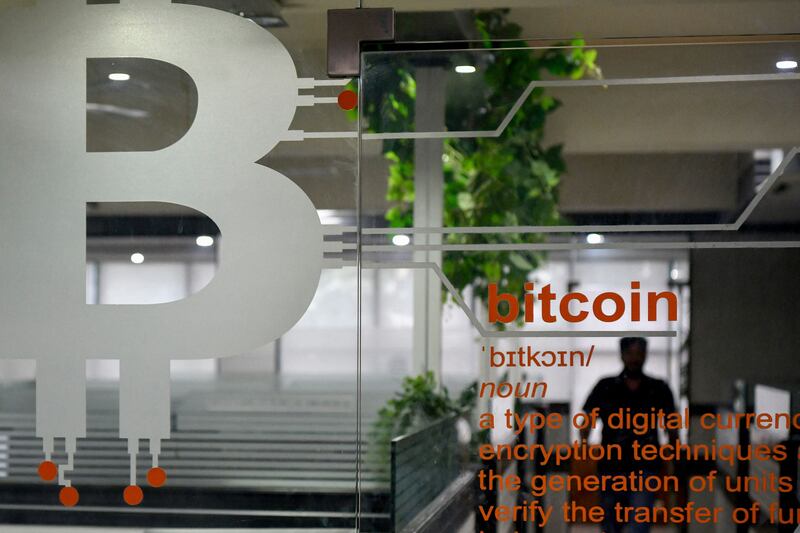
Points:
point(348, 29)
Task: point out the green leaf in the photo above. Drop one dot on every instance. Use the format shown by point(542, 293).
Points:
point(493, 270)
point(465, 201)
point(520, 262)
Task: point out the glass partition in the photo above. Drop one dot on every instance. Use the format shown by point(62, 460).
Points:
point(160, 164)
point(237, 294)
point(498, 177)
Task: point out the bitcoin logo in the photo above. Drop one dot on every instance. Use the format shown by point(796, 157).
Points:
point(271, 257)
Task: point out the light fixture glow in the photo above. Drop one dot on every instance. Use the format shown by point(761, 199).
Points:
point(137, 259)
point(595, 238)
point(119, 76)
point(786, 64)
point(205, 241)
point(401, 240)
point(465, 69)
point(674, 274)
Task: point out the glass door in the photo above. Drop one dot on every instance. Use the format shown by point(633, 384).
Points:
point(533, 211)
point(178, 291)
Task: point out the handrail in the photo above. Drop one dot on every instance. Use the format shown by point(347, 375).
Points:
point(423, 465)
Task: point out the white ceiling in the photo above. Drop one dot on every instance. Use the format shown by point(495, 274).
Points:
point(759, 117)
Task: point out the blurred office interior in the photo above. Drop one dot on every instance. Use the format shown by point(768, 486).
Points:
point(281, 439)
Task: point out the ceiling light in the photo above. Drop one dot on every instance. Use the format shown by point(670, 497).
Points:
point(137, 259)
point(119, 76)
point(205, 241)
point(786, 64)
point(266, 13)
point(595, 238)
point(401, 240)
point(465, 69)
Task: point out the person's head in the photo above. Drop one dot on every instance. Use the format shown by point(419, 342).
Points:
point(634, 353)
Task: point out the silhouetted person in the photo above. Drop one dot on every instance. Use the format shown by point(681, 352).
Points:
point(639, 392)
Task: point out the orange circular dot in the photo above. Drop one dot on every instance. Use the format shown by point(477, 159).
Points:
point(348, 100)
point(68, 496)
point(48, 471)
point(133, 495)
point(156, 477)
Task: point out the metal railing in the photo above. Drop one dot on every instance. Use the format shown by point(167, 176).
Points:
point(424, 464)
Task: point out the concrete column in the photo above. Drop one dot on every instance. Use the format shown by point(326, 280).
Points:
point(428, 206)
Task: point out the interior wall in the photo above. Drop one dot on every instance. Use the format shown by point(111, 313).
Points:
point(747, 312)
point(651, 182)
point(676, 118)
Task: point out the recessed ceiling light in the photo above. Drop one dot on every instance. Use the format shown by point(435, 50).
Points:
point(786, 64)
point(137, 259)
point(119, 76)
point(401, 240)
point(465, 69)
point(205, 241)
point(595, 238)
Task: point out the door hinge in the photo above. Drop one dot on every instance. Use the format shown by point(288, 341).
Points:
point(348, 29)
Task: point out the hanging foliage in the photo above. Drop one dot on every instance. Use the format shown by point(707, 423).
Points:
point(512, 180)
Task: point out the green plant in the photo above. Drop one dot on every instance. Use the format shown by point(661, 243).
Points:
point(419, 402)
point(509, 181)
